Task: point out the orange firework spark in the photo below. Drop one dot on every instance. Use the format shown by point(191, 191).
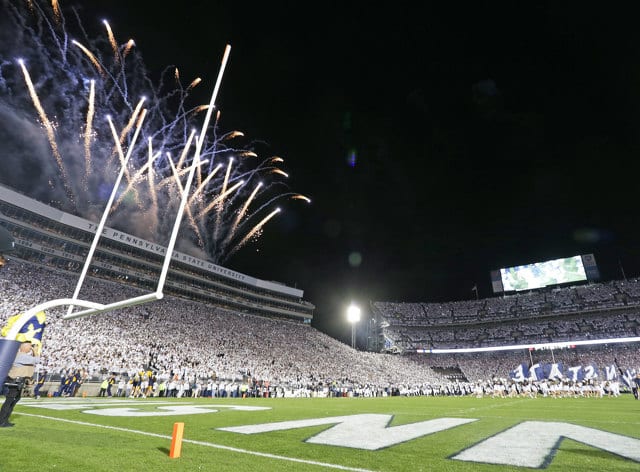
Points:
point(56, 9)
point(241, 213)
point(45, 121)
point(195, 82)
point(301, 197)
point(91, 57)
point(200, 108)
point(231, 135)
point(137, 175)
point(204, 183)
point(279, 171)
point(152, 185)
point(112, 41)
point(128, 127)
point(255, 229)
point(219, 198)
point(220, 206)
point(128, 47)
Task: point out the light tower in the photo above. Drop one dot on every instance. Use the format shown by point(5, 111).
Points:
point(353, 316)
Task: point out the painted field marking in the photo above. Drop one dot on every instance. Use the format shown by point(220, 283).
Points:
point(201, 443)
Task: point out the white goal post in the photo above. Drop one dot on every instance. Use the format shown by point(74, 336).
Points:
point(90, 307)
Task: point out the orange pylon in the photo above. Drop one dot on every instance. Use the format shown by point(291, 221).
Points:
point(176, 440)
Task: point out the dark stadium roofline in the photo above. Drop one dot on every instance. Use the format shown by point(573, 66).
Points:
point(27, 203)
point(542, 346)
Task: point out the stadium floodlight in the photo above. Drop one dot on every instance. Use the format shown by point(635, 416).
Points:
point(353, 316)
point(94, 307)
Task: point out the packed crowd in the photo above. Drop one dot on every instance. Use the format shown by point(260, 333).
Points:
point(176, 336)
point(538, 304)
point(198, 349)
point(593, 311)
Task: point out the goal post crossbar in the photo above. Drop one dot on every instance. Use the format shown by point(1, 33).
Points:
point(90, 308)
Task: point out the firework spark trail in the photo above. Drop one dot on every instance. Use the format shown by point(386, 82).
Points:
point(168, 180)
point(251, 233)
point(43, 116)
point(195, 82)
point(81, 80)
point(220, 205)
point(112, 41)
point(51, 136)
point(88, 131)
point(91, 57)
point(103, 220)
point(152, 186)
point(216, 201)
point(241, 224)
point(56, 9)
point(197, 193)
point(137, 117)
point(136, 177)
point(128, 47)
point(187, 208)
point(232, 231)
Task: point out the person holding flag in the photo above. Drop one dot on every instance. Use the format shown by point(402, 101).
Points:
point(30, 338)
point(21, 371)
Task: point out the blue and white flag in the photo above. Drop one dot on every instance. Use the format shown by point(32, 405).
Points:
point(575, 373)
point(610, 372)
point(536, 372)
point(590, 372)
point(520, 373)
point(552, 371)
point(628, 376)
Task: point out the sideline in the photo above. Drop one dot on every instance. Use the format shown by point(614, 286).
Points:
point(200, 443)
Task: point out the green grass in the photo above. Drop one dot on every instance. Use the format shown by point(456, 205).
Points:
point(43, 440)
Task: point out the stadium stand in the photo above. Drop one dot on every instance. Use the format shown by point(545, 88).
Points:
point(218, 331)
point(593, 311)
point(56, 239)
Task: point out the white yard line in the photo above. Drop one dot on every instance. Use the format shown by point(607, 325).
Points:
point(201, 443)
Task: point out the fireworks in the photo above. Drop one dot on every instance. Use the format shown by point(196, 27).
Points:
point(58, 106)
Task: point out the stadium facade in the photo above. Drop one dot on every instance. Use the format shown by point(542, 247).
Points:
point(53, 238)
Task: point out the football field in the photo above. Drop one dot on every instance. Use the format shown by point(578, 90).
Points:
point(314, 434)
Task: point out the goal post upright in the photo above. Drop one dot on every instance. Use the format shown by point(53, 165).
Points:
point(195, 163)
point(107, 209)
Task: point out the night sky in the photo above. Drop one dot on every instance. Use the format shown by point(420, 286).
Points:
point(436, 142)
